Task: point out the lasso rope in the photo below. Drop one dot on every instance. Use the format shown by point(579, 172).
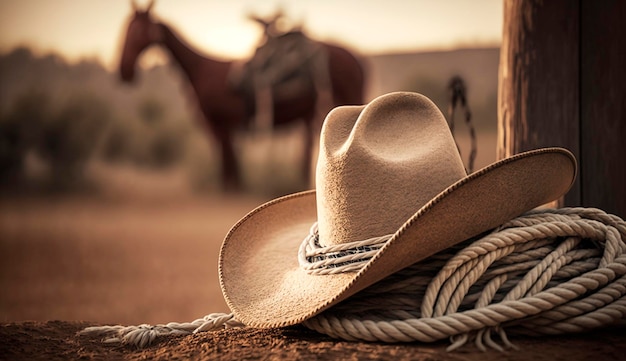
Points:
point(547, 272)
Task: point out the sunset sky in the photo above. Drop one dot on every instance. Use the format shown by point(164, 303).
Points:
point(93, 28)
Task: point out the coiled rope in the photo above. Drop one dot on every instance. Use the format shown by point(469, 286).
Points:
point(549, 271)
point(546, 272)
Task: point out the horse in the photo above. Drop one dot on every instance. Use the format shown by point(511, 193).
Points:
point(222, 106)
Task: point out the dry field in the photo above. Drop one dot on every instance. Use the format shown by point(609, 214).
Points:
point(113, 261)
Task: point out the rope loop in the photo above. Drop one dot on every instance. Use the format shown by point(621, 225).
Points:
point(549, 271)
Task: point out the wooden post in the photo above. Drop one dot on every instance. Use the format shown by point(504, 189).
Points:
point(563, 83)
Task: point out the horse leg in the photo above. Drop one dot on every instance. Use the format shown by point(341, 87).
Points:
point(307, 154)
point(231, 178)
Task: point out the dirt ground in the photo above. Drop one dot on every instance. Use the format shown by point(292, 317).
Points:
point(144, 259)
point(57, 340)
point(114, 260)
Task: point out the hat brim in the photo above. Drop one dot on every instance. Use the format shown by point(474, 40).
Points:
point(264, 285)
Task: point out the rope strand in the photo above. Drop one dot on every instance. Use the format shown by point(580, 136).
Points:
point(144, 335)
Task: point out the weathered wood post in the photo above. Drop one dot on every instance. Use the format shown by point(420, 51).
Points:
point(562, 82)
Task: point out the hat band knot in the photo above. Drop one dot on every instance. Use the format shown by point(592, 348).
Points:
point(347, 257)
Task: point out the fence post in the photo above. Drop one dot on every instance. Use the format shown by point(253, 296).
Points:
point(562, 82)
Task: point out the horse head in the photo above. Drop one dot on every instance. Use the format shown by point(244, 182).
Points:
point(142, 32)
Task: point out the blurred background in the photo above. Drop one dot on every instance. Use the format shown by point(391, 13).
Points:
point(111, 205)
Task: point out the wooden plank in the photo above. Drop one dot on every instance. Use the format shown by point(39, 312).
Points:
point(603, 105)
point(538, 93)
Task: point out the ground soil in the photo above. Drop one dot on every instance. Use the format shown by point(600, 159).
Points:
point(57, 340)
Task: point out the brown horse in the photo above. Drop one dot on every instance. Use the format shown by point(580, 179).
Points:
point(224, 109)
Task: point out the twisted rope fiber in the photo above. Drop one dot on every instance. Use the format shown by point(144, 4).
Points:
point(144, 335)
point(549, 271)
point(546, 272)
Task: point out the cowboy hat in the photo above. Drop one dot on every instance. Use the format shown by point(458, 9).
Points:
point(387, 172)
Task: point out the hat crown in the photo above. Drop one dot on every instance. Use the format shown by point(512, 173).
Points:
point(378, 164)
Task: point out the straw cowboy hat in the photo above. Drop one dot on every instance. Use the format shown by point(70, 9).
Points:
point(387, 172)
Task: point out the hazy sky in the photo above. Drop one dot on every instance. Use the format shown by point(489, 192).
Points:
point(93, 28)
